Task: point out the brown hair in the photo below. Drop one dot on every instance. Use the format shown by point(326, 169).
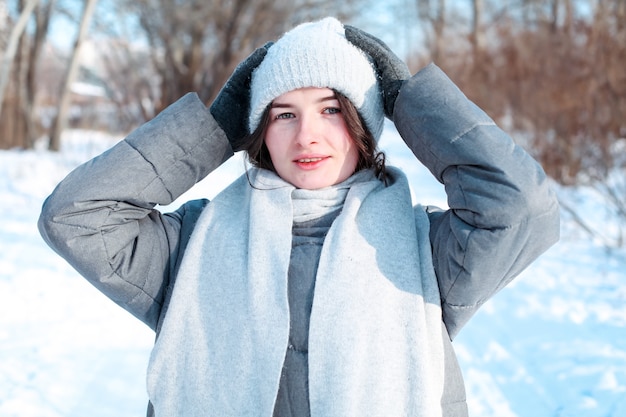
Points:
point(369, 155)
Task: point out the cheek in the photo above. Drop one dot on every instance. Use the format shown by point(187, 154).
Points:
point(353, 155)
point(271, 141)
point(351, 149)
point(277, 144)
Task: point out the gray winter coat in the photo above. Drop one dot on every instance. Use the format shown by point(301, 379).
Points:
point(502, 215)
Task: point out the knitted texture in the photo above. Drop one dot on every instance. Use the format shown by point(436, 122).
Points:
point(317, 54)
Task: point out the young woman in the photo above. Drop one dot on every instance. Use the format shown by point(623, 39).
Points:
point(311, 285)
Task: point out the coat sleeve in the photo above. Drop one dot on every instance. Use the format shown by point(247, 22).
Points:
point(503, 213)
point(102, 219)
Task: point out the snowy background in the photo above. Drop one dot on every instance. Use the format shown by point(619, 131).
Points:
point(553, 343)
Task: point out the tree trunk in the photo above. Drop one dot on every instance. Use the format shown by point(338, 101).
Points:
point(478, 37)
point(440, 24)
point(60, 121)
point(9, 54)
point(41, 30)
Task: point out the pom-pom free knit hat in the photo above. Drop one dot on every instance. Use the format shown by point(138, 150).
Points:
point(317, 54)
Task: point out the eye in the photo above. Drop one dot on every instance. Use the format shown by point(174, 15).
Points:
point(285, 115)
point(332, 110)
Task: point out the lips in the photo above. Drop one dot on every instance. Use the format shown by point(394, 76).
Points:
point(310, 161)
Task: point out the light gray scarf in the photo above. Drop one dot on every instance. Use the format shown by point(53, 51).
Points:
point(375, 339)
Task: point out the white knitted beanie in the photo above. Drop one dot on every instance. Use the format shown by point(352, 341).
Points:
point(317, 54)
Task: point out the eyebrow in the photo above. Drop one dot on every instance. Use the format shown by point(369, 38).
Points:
point(321, 100)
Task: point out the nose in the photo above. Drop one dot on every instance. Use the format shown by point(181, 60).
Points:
point(308, 131)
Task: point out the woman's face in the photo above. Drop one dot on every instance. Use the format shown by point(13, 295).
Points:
point(308, 140)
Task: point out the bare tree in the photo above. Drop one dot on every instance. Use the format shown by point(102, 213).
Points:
point(61, 119)
point(556, 76)
point(477, 36)
point(42, 23)
point(435, 17)
point(20, 122)
point(129, 77)
point(195, 45)
point(187, 46)
point(9, 54)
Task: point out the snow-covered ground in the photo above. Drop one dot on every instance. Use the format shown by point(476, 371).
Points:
point(553, 343)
